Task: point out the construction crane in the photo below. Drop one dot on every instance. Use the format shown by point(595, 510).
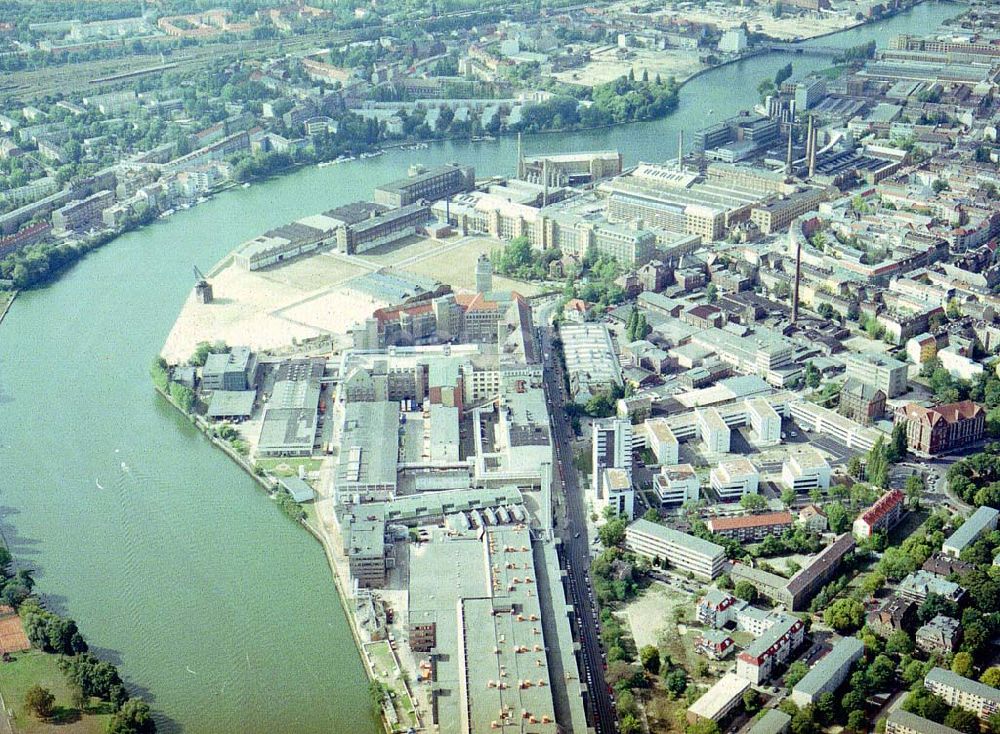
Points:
point(202, 288)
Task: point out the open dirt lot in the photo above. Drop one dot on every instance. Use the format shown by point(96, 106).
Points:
point(607, 64)
point(313, 295)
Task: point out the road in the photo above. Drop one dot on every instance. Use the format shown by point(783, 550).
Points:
point(576, 553)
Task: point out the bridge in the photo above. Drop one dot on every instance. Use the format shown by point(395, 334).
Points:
point(803, 50)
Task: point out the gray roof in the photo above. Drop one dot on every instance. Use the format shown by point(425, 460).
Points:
point(669, 535)
point(773, 722)
point(300, 491)
point(226, 403)
point(981, 519)
point(961, 683)
point(848, 648)
point(919, 724)
point(783, 625)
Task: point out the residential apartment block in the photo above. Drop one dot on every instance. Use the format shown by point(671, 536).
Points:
point(882, 516)
point(680, 550)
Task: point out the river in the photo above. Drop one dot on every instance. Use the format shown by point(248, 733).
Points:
point(218, 609)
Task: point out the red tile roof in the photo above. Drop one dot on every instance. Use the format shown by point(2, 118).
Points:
point(717, 524)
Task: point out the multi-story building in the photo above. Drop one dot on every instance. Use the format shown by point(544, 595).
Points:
point(437, 183)
point(751, 527)
point(921, 348)
point(895, 613)
point(831, 670)
point(884, 372)
point(772, 648)
point(611, 448)
point(661, 441)
point(718, 608)
point(714, 644)
point(82, 214)
point(765, 423)
point(364, 545)
point(591, 362)
point(940, 635)
point(714, 432)
point(616, 492)
point(734, 477)
point(233, 370)
point(981, 521)
point(382, 228)
point(677, 484)
point(957, 690)
point(861, 402)
point(882, 516)
point(943, 428)
point(806, 471)
point(903, 722)
point(702, 558)
point(942, 564)
point(920, 584)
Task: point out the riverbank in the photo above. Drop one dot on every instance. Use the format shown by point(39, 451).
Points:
point(5, 307)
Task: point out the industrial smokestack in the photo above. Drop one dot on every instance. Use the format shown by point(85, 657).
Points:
point(812, 156)
point(798, 273)
point(520, 158)
point(788, 159)
point(545, 177)
point(680, 150)
point(809, 137)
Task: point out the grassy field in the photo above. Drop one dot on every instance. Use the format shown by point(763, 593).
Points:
point(33, 667)
point(289, 467)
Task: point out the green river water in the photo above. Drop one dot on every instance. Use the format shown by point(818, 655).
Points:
point(219, 610)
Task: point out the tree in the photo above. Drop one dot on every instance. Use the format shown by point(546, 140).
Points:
point(796, 672)
point(676, 681)
point(651, 515)
point(857, 721)
point(962, 664)
point(914, 490)
point(746, 591)
point(39, 701)
point(898, 442)
point(788, 496)
point(612, 533)
point(991, 677)
point(899, 643)
point(813, 376)
point(962, 720)
point(751, 700)
point(844, 615)
point(712, 293)
point(837, 518)
point(855, 468)
point(649, 656)
point(134, 717)
point(703, 726)
point(753, 502)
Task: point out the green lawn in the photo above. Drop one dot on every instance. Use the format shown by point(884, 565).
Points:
point(33, 667)
point(289, 467)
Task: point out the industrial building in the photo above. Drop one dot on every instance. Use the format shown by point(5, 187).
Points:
point(382, 228)
point(231, 371)
point(591, 362)
point(426, 185)
point(679, 550)
point(286, 242)
point(288, 425)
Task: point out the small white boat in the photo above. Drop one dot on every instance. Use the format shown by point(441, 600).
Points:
point(98, 483)
point(246, 185)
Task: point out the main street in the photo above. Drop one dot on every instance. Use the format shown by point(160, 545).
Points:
point(576, 553)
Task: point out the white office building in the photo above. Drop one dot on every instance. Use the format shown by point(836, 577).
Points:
point(661, 441)
point(617, 493)
point(611, 449)
point(677, 484)
point(685, 552)
point(806, 471)
point(765, 423)
point(713, 430)
point(735, 477)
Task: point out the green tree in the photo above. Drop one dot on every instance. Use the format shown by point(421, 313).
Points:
point(753, 502)
point(751, 700)
point(676, 681)
point(963, 720)
point(991, 677)
point(844, 615)
point(796, 672)
point(897, 449)
point(962, 664)
point(746, 591)
point(612, 533)
point(134, 717)
point(712, 293)
point(651, 515)
point(899, 643)
point(914, 490)
point(788, 496)
point(703, 726)
point(649, 657)
point(39, 701)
